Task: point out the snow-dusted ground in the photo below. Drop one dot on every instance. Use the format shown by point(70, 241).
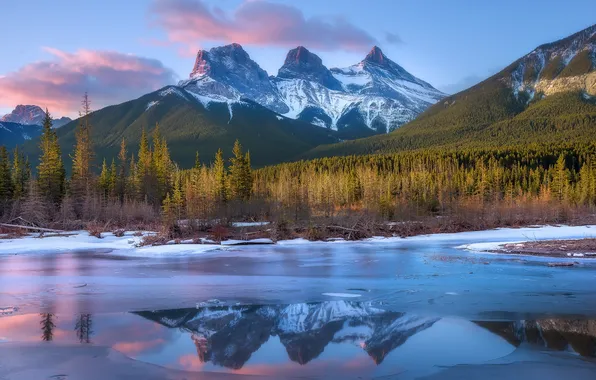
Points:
point(477, 241)
point(82, 241)
point(508, 236)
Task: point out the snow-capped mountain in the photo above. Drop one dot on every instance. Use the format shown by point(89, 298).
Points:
point(31, 115)
point(227, 73)
point(376, 95)
point(228, 336)
point(565, 65)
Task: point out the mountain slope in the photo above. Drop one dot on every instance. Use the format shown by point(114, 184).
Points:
point(12, 134)
point(544, 96)
point(31, 115)
point(374, 96)
point(190, 125)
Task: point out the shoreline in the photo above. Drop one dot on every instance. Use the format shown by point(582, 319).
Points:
point(558, 248)
point(130, 243)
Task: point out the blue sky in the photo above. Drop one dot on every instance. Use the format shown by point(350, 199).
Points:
point(450, 44)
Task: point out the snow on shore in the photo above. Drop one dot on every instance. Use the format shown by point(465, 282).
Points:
point(494, 239)
point(81, 241)
point(477, 241)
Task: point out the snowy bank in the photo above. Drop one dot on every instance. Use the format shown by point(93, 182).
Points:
point(495, 239)
point(128, 244)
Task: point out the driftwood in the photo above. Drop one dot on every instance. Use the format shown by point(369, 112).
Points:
point(31, 228)
point(342, 228)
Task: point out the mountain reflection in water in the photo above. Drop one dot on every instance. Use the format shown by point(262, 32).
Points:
point(228, 336)
point(339, 337)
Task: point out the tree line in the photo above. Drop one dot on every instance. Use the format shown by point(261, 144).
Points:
point(146, 188)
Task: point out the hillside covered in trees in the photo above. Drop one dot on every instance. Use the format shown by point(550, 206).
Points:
point(145, 188)
point(546, 96)
point(190, 125)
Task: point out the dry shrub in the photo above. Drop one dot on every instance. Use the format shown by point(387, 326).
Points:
point(219, 233)
point(138, 233)
point(314, 233)
point(119, 232)
point(153, 240)
point(281, 230)
point(95, 229)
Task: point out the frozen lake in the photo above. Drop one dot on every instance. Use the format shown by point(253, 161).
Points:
point(407, 307)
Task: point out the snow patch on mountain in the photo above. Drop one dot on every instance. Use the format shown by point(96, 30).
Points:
point(171, 90)
point(151, 104)
point(377, 92)
point(528, 73)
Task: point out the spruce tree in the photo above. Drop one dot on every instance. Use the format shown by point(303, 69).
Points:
point(219, 170)
point(113, 180)
point(104, 179)
point(19, 174)
point(6, 185)
point(50, 171)
point(121, 179)
point(240, 173)
point(82, 159)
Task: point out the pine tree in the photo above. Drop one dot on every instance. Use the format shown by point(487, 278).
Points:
point(161, 165)
point(50, 171)
point(560, 182)
point(6, 184)
point(113, 180)
point(104, 179)
point(219, 170)
point(121, 179)
point(132, 180)
point(177, 200)
point(82, 158)
point(144, 175)
point(20, 174)
point(240, 173)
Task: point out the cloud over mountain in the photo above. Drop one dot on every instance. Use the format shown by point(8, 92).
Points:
point(109, 77)
point(258, 23)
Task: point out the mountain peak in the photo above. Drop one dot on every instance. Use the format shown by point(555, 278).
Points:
point(300, 63)
point(302, 55)
point(205, 59)
point(28, 114)
point(376, 56)
point(25, 114)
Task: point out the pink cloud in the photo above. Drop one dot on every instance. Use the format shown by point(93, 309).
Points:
point(109, 78)
point(257, 23)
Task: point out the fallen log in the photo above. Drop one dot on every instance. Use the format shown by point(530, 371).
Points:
point(31, 228)
point(342, 228)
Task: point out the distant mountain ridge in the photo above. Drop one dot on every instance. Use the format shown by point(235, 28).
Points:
point(374, 96)
point(31, 115)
